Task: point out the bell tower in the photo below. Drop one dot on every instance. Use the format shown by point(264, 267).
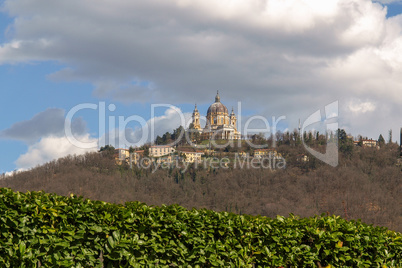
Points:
point(196, 119)
point(233, 119)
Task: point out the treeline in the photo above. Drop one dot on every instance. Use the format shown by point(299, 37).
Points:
point(313, 139)
point(366, 185)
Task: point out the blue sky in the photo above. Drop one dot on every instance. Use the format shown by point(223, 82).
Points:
point(281, 59)
point(394, 8)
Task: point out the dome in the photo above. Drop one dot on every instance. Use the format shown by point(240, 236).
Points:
point(217, 106)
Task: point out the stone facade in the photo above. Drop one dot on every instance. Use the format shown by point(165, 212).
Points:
point(160, 150)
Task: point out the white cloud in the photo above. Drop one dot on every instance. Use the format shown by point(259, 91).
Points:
point(50, 148)
point(281, 57)
point(361, 107)
point(368, 27)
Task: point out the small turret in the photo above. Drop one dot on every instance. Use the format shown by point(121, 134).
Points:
point(233, 118)
point(217, 97)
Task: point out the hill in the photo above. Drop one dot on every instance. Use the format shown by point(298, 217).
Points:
point(366, 185)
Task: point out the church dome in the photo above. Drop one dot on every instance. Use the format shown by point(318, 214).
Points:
point(217, 106)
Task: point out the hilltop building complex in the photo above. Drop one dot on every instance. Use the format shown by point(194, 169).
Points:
point(219, 123)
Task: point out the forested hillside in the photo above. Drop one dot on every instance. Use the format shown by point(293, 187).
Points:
point(366, 185)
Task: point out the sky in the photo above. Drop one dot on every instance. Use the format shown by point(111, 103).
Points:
point(75, 75)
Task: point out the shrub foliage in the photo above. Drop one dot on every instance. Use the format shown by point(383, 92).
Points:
point(41, 229)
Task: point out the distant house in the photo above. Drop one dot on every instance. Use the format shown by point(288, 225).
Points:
point(261, 153)
point(121, 155)
point(191, 156)
point(370, 143)
point(160, 150)
point(367, 143)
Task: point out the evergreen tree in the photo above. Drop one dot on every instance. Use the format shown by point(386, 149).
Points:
point(390, 136)
point(158, 140)
point(381, 140)
point(166, 137)
point(179, 135)
point(345, 144)
point(360, 143)
point(107, 148)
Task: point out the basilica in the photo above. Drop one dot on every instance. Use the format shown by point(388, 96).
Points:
point(219, 124)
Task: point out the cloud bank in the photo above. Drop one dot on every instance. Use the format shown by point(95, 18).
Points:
point(46, 139)
point(279, 57)
point(48, 122)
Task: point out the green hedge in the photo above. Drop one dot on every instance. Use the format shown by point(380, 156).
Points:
point(40, 229)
